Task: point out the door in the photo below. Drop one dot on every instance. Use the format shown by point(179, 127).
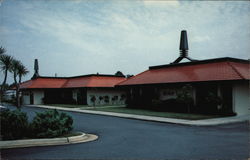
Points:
point(31, 98)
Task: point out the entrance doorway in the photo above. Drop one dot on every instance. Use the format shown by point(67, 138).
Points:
point(31, 98)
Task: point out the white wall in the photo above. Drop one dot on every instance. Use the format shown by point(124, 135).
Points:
point(241, 99)
point(104, 92)
point(38, 95)
point(26, 97)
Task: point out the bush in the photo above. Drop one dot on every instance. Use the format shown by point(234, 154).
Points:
point(51, 124)
point(14, 125)
point(106, 99)
point(93, 99)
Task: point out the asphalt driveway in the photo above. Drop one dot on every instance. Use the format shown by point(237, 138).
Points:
point(121, 138)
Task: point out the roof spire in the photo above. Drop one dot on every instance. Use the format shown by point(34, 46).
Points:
point(36, 68)
point(183, 48)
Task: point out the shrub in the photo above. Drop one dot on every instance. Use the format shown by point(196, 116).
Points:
point(106, 99)
point(185, 96)
point(93, 99)
point(100, 98)
point(156, 103)
point(123, 97)
point(114, 98)
point(51, 124)
point(14, 125)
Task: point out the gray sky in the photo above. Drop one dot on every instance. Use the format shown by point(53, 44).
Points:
point(79, 37)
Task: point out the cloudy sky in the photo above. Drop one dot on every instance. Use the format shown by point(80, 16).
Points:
point(76, 37)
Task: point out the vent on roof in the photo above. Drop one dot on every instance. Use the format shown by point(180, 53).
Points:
point(183, 48)
point(36, 68)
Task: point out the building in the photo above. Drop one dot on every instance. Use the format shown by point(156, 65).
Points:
point(212, 86)
point(93, 89)
point(216, 86)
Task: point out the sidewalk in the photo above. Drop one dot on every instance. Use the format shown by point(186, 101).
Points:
point(204, 122)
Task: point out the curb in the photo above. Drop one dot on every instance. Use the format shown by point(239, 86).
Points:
point(207, 122)
point(47, 141)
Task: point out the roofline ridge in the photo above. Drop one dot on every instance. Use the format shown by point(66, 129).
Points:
point(231, 65)
point(65, 83)
point(131, 77)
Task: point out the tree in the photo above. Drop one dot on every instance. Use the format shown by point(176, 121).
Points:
point(18, 70)
point(185, 96)
point(2, 50)
point(5, 66)
point(119, 73)
point(22, 71)
point(93, 99)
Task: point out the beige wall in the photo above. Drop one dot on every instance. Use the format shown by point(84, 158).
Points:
point(241, 101)
point(104, 92)
point(26, 97)
point(38, 95)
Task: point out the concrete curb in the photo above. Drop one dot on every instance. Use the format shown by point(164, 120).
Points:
point(205, 122)
point(47, 141)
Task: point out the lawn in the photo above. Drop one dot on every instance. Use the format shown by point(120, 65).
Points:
point(83, 106)
point(68, 105)
point(145, 112)
point(122, 109)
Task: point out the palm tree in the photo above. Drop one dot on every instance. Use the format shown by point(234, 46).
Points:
point(22, 71)
point(15, 65)
point(2, 50)
point(18, 70)
point(5, 66)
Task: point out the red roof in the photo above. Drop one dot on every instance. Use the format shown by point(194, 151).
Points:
point(93, 81)
point(209, 70)
point(74, 82)
point(43, 83)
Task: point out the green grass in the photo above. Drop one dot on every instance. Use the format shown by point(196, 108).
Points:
point(82, 106)
point(145, 112)
point(120, 109)
point(67, 105)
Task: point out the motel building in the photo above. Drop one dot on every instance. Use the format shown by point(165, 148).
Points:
point(215, 86)
point(212, 86)
point(93, 89)
point(225, 78)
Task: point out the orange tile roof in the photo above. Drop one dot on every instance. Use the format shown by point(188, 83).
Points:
point(72, 82)
point(43, 83)
point(207, 70)
point(93, 81)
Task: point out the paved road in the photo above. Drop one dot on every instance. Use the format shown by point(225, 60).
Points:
point(122, 139)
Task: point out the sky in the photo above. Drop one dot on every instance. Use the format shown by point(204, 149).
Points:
point(77, 37)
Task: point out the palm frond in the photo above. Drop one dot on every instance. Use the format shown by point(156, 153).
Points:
point(2, 50)
point(5, 62)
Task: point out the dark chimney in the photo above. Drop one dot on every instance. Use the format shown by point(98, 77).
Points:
point(184, 44)
point(183, 48)
point(36, 68)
